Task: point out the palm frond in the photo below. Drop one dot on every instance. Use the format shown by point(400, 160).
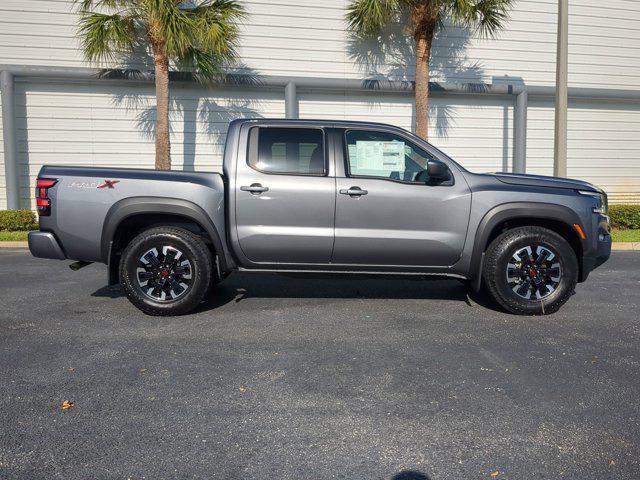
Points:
point(492, 15)
point(205, 66)
point(86, 5)
point(170, 25)
point(487, 17)
point(201, 37)
point(366, 17)
point(217, 26)
point(213, 36)
point(105, 37)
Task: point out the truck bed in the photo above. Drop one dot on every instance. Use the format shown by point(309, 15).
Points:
point(84, 200)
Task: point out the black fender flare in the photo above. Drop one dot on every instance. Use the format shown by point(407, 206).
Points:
point(131, 206)
point(516, 210)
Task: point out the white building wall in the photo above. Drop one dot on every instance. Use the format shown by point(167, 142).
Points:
point(305, 37)
point(111, 125)
point(477, 131)
point(603, 144)
point(87, 124)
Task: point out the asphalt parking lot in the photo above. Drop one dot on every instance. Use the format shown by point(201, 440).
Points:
point(280, 377)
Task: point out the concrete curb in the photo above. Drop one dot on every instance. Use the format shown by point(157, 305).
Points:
point(625, 246)
point(635, 246)
point(14, 245)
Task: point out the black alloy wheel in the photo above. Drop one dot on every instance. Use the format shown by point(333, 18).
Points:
point(530, 270)
point(166, 271)
point(164, 274)
point(534, 272)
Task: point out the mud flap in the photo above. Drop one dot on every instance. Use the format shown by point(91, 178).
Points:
point(476, 283)
point(112, 267)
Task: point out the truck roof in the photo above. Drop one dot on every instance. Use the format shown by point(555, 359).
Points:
point(316, 122)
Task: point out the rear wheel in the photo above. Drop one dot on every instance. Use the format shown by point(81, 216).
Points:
point(166, 271)
point(530, 270)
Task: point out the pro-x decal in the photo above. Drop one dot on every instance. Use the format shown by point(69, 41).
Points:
point(109, 184)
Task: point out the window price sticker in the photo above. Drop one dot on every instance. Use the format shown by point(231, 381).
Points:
point(381, 156)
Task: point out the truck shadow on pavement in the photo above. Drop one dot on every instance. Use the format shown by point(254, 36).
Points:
point(239, 287)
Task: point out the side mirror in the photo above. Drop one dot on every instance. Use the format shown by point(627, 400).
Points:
point(437, 170)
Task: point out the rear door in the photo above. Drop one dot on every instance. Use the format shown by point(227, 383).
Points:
point(388, 212)
point(284, 196)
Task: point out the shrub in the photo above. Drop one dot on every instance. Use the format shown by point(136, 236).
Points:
point(16, 220)
point(625, 216)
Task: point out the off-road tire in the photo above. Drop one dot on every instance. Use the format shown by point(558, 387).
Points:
point(499, 254)
point(190, 245)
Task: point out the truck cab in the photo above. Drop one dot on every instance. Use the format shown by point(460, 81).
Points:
point(341, 196)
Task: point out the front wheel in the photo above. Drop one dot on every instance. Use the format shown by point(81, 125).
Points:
point(166, 271)
point(530, 270)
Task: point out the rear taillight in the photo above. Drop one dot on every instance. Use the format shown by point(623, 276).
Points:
point(42, 199)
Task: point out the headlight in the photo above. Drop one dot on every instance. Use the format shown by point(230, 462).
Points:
point(601, 199)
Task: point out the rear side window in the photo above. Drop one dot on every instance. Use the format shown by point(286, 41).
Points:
point(297, 151)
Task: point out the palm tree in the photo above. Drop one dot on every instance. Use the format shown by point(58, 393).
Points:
point(369, 17)
point(198, 36)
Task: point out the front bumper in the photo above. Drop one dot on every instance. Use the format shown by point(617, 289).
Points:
point(45, 245)
point(600, 244)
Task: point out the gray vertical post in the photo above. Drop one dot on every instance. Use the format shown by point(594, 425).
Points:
point(520, 133)
point(9, 141)
point(562, 64)
point(290, 100)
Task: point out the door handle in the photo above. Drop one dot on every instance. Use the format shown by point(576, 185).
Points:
point(353, 191)
point(254, 189)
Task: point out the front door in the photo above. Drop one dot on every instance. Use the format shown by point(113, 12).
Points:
point(285, 200)
point(388, 212)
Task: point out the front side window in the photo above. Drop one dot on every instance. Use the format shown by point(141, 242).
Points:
point(298, 151)
point(385, 155)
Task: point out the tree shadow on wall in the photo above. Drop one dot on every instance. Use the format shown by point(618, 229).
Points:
point(198, 105)
point(390, 55)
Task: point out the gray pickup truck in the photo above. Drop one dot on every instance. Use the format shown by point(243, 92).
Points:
point(324, 196)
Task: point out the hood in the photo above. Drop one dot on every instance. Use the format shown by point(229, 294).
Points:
point(545, 181)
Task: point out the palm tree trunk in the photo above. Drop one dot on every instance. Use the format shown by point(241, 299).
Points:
point(163, 145)
point(424, 39)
